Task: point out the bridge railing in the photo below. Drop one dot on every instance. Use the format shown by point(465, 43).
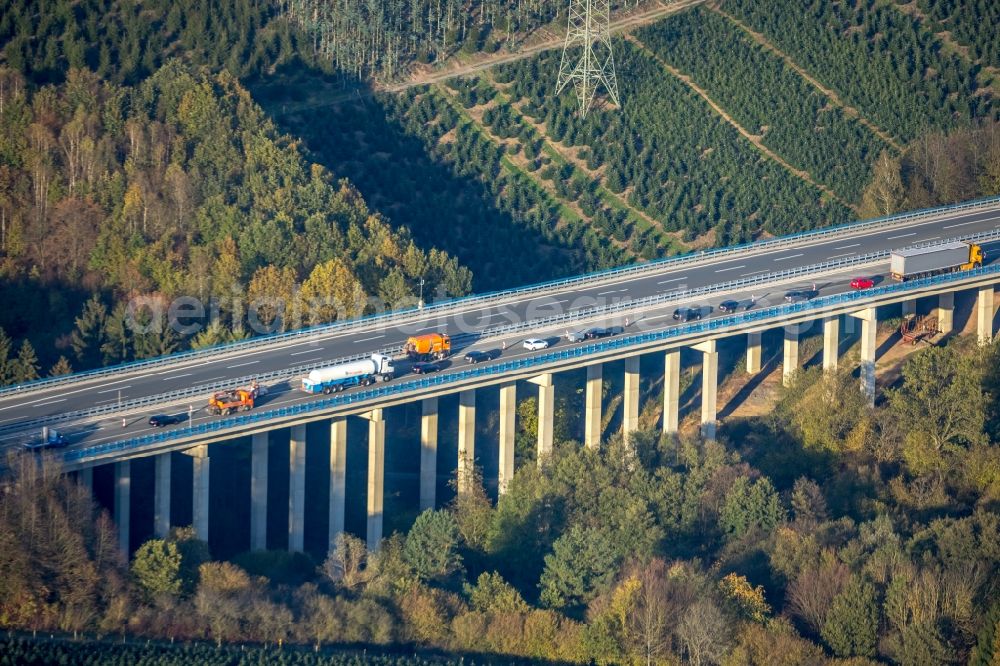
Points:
point(612, 344)
point(443, 305)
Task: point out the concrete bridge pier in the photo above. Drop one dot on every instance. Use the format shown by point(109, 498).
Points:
point(753, 352)
point(984, 315)
point(709, 387)
point(428, 452)
point(338, 480)
point(831, 343)
point(790, 357)
point(466, 438)
point(546, 409)
point(946, 312)
point(508, 411)
point(297, 488)
point(909, 307)
point(869, 325)
point(161, 496)
point(630, 418)
point(199, 490)
point(671, 390)
point(258, 491)
point(376, 477)
point(85, 477)
point(592, 406)
point(123, 501)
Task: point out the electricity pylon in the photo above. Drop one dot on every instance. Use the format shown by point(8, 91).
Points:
point(589, 28)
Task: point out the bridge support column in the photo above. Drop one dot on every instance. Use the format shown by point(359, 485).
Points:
point(909, 307)
point(123, 503)
point(671, 390)
point(428, 452)
point(831, 343)
point(592, 406)
point(869, 325)
point(709, 387)
point(946, 312)
point(199, 490)
point(161, 496)
point(466, 439)
point(258, 492)
point(790, 358)
point(546, 409)
point(297, 489)
point(338, 480)
point(630, 419)
point(753, 352)
point(508, 410)
point(85, 477)
point(984, 315)
point(376, 477)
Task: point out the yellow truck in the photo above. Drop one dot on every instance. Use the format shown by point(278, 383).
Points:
point(429, 346)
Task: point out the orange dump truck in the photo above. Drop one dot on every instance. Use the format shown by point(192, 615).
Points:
point(236, 400)
point(425, 347)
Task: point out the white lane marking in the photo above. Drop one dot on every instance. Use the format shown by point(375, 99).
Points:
point(120, 388)
point(844, 247)
point(485, 316)
point(791, 256)
point(50, 402)
point(962, 224)
point(308, 351)
point(913, 233)
point(930, 239)
point(101, 402)
point(430, 328)
point(683, 277)
point(733, 268)
point(613, 291)
point(167, 379)
point(240, 365)
point(371, 338)
point(754, 273)
point(657, 317)
point(846, 254)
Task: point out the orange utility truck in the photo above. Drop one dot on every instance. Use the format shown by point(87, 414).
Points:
point(236, 400)
point(428, 346)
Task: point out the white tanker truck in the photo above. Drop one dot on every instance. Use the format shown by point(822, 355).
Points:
point(378, 368)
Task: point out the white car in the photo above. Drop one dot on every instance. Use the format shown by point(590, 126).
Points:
point(531, 344)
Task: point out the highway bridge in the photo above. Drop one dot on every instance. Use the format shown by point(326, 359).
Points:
point(105, 413)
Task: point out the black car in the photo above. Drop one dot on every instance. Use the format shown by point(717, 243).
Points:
point(799, 295)
point(476, 356)
point(734, 306)
point(424, 368)
point(602, 332)
point(687, 314)
point(160, 420)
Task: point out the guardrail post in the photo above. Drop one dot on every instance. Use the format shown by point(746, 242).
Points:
point(831, 342)
point(123, 502)
point(466, 438)
point(376, 477)
point(592, 408)
point(508, 410)
point(338, 480)
point(709, 387)
point(200, 489)
point(671, 390)
point(161, 496)
point(546, 407)
point(297, 488)
point(258, 491)
point(984, 312)
point(753, 352)
point(790, 358)
point(869, 325)
point(630, 419)
point(946, 312)
point(428, 453)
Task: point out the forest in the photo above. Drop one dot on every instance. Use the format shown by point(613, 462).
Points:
point(827, 531)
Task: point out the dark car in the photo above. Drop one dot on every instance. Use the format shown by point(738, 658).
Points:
point(424, 368)
point(602, 332)
point(476, 356)
point(729, 306)
point(55, 441)
point(799, 295)
point(687, 314)
point(160, 420)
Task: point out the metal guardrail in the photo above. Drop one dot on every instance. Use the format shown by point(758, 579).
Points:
point(575, 316)
point(634, 269)
point(529, 362)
